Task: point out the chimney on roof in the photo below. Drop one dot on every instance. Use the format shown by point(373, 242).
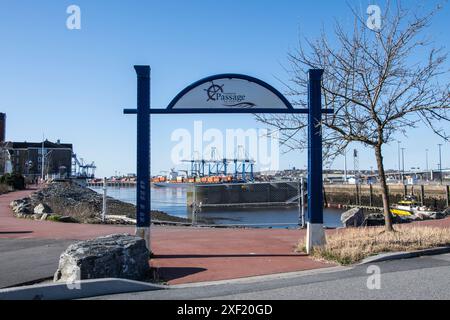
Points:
point(2, 127)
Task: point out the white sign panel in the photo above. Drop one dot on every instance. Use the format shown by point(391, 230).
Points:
point(238, 91)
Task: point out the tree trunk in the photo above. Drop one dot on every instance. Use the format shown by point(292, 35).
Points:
point(384, 189)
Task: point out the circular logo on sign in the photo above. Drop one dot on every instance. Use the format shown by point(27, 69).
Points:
point(213, 90)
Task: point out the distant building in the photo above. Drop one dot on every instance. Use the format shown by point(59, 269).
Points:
point(2, 127)
point(353, 180)
point(32, 158)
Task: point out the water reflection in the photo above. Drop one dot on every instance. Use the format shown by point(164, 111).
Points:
point(173, 202)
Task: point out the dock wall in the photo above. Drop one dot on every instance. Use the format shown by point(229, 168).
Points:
point(244, 194)
point(435, 196)
point(287, 193)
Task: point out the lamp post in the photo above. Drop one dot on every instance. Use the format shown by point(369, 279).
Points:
point(42, 159)
point(440, 162)
point(345, 166)
point(398, 153)
point(403, 165)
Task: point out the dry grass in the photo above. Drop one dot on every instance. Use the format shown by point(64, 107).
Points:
point(82, 212)
point(349, 246)
point(4, 188)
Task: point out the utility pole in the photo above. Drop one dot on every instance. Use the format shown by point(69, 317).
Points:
point(440, 162)
point(399, 175)
point(356, 163)
point(345, 166)
point(42, 160)
point(105, 187)
point(426, 163)
point(403, 165)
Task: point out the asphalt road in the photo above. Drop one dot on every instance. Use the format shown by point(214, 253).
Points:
point(419, 278)
point(24, 260)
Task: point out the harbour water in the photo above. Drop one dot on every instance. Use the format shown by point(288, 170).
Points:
point(173, 202)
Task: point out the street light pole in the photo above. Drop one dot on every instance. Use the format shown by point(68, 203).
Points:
point(426, 163)
point(105, 188)
point(440, 162)
point(345, 166)
point(42, 160)
point(403, 164)
point(398, 153)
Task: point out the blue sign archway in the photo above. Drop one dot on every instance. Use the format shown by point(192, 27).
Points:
point(230, 94)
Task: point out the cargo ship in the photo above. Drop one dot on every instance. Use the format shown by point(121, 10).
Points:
point(180, 182)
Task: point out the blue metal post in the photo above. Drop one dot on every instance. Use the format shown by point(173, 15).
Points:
point(315, 235)
point(143, 218)
point(315, 196)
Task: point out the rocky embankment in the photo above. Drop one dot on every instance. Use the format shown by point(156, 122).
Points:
point(69, 202)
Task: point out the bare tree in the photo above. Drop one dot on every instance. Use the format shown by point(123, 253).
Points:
point(379, 81)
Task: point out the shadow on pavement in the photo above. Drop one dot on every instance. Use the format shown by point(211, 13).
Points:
point(247, 255)
point(171, 273)
point(15, 232)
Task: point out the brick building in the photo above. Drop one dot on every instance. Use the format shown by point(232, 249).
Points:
point(30, 158)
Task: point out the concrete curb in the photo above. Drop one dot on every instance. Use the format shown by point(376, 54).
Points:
point(87, 288)
point(404, 255)
point(268, 277)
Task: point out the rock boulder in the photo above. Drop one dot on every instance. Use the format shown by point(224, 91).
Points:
point(446, 212)
point(114, 256)
point(67, 219)
point(21, 206)
point(42, 208)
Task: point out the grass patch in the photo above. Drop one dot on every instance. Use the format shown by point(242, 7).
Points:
point(348, 246)
point(54, 218)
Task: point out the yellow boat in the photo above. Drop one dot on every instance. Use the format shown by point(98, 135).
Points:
point(410, 208)
point(401, 212)
point(405, 207)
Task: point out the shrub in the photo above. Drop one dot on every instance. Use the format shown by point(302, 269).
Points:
point(4, 188)
point(15, 180)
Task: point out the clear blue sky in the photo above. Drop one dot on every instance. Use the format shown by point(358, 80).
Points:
point(72, 84)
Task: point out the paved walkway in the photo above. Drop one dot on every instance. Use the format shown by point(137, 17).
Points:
point(182, 255)
point(12, 227)
point(197, 255)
